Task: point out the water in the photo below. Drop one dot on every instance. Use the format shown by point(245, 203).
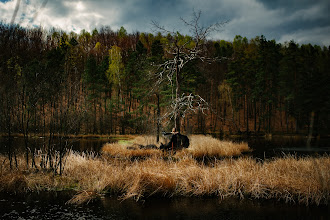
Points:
point(277, 146)
point(76, 144)
point(53, 206)
point(262, 147)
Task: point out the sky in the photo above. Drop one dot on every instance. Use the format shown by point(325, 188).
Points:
point(304, 21)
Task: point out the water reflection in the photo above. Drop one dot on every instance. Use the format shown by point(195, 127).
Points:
point(277, 146)
point(47, 205)
point(76, 144)
point(52, 206)
point(262, 147)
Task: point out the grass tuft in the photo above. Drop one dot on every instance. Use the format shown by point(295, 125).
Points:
point(82, 197)
point(200, 146)
point(208, 146)
point(290, 179)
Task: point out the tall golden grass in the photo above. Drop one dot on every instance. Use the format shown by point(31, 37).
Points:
point(200, 146)
point(301, 180)
point(130, 149)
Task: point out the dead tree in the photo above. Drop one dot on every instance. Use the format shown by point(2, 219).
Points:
point(182, 50)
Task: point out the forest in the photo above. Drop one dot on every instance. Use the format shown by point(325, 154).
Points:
point(129, 87)
point(105, 82)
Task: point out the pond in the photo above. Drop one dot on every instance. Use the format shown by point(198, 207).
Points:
point(52, 205)
point(76, 144)
point(280, 145)
point(261, 147)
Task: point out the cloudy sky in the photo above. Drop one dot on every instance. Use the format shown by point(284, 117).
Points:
point(304, 21)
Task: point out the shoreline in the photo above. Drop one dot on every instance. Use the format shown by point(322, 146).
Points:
point(131, 136)
point(78, 136)
point(148, 185)
point(117, 171)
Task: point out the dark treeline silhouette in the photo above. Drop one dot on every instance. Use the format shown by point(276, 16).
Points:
point(103, 82)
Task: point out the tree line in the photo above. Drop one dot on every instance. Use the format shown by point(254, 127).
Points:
point(105, 82)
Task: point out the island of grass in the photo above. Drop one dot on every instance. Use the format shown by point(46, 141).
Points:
point(130, 172)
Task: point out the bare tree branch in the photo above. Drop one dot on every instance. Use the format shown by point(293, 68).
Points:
point(157, 27)
point(184, 50)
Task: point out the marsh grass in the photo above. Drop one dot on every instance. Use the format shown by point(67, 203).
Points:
point(208, 146)
point(290, 179)
point(125, 151)
point(200, 146)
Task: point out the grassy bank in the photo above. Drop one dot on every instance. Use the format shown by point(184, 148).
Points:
point(300, 180)
point(200, 146)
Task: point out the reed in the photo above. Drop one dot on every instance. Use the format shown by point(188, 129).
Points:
point(295, 180)
point(200, 146)
point(304, 180)
point(127, 151)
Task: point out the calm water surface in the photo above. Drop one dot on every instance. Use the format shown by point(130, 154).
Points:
point(262, 147)
point(76, 144)
point(278, 146)
point(53, 205)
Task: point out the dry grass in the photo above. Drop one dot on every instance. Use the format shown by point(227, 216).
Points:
point(301, 180)
point(200, 146)
point(83, 197)
point(130, 149)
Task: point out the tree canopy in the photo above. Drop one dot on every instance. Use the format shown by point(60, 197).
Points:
point(104, 82)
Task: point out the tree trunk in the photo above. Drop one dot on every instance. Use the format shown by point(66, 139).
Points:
point(95, 118)
point(310, 133)
point(255, 116)
point(177, 93)
point(158, 117)
point(269, 117)
point(247, 115)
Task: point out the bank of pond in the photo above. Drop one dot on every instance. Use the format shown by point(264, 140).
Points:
point(209, 168)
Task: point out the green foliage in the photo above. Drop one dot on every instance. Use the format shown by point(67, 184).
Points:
point(192, 77)
point(223, 49)
point(186, 41)
point(122, 32)
point(53, 72)
point(73, 42)
point(116, 66)
point(95, 32)
point(14, 66)
point(95, 76)
point(157, 51)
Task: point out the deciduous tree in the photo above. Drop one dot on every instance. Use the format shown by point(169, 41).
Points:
point(181, 50)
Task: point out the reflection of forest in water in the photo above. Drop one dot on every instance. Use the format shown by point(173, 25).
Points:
point(281, 145)
point(261, 146)
point(37, 143)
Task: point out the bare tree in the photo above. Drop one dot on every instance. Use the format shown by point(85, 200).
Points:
point(182, 50)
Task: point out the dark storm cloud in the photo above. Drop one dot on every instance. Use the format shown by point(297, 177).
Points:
point(301, 14)
point(305, 21)
point(292, 5)
point(310, 21)
point(137, 15)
